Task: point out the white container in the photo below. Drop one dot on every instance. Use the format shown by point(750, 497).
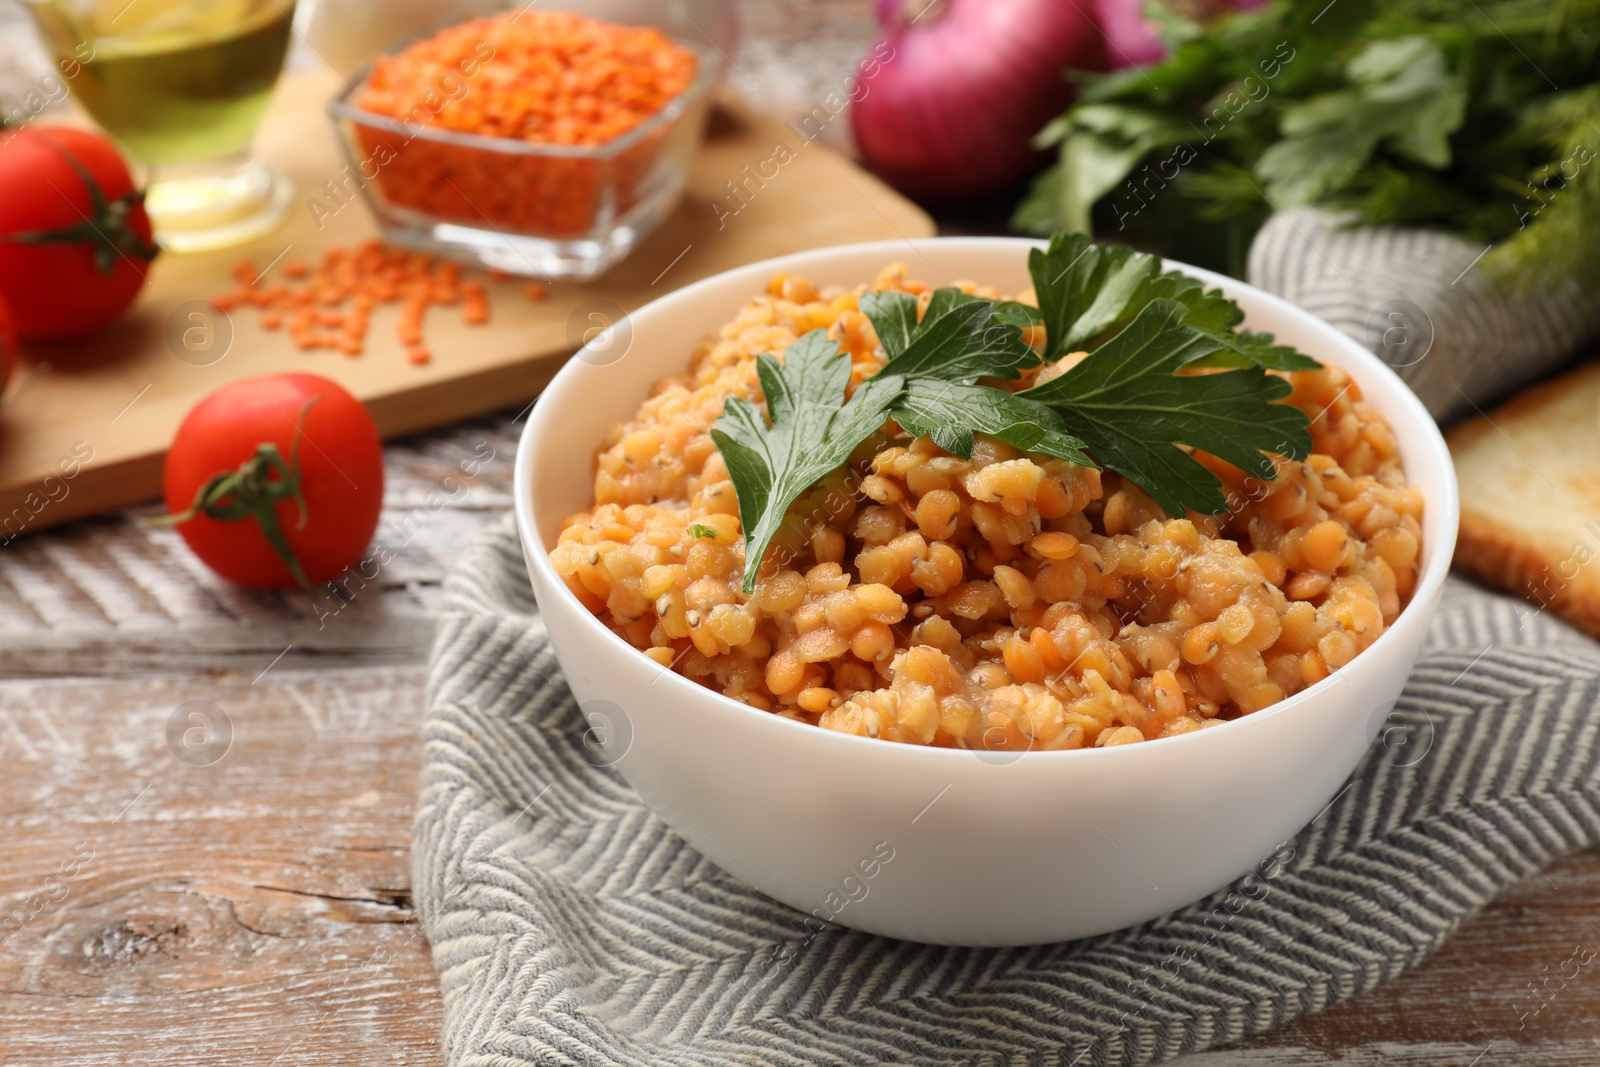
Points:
point(987, 848)
point(346, 34)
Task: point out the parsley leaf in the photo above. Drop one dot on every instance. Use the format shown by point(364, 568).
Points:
point(1082, 288)
point(1088, 293)
point(1218, 318)
point(701, 530)
point(1246, 348)
point(949, 413)
point(1402, 95)
point(1396, 112)
point(894, 317)
point(1128, 402)
point(961, 337)
point(813, 430)
point(1101, 144)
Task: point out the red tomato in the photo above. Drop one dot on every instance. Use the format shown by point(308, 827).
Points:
point(341, 477)
point(74, 237)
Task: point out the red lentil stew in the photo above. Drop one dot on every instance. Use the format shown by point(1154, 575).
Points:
point(1005, 601)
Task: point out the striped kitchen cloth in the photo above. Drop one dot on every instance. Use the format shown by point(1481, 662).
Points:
point(570, 926)
point(1421, 300)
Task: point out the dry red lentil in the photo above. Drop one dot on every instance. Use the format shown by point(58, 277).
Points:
point(1006, 601)
point(550, 78)
point(330, 306)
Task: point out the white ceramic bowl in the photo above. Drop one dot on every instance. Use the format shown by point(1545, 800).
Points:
point(982, 848)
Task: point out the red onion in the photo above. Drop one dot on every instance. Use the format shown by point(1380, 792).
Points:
point(1131, 39)
point(951, 112)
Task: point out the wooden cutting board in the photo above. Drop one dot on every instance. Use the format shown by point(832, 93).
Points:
point(105, 408)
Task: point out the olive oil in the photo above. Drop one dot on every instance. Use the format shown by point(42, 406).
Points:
point(174, 81)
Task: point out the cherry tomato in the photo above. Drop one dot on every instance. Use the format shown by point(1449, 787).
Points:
point(239, 445)
point(75, 240)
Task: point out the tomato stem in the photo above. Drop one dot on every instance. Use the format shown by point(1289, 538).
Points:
point(107, 228)
point(253, 491)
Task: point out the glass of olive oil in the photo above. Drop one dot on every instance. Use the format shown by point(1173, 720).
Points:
point(182, 85)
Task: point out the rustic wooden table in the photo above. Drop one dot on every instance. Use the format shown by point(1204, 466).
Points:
point(249, 902)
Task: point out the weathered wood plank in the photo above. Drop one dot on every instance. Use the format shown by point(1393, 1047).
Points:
point(115, 597)
point(255, 909)
point(224, 911)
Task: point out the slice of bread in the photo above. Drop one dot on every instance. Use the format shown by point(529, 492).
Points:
point(1530, 496)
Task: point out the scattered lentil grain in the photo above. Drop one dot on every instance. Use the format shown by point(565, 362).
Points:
point(345, 287)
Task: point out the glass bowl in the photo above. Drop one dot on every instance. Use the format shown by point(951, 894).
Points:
point(507, 204)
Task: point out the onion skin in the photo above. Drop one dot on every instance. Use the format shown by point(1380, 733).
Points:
point(951, 115)
point(1131, 39)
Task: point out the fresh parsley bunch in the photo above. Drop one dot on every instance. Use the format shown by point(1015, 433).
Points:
point(1126, 406)
point(1482, 119)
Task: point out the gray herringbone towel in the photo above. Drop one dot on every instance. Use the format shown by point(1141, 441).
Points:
point(570, 926)
point(1423, 302)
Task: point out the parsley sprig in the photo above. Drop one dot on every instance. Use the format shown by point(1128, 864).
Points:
point(1127, 405)
point(1475, 118)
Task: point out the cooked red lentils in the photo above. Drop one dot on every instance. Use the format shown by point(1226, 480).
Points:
point(1008, 601)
